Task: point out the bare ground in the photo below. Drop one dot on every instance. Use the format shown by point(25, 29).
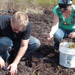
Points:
point(44, 61)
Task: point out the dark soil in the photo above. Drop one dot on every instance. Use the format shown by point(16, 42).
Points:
point(45, 61)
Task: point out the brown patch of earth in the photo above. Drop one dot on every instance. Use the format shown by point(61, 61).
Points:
point(44, 61)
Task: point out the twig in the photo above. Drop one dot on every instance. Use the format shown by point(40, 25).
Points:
point(59, 68)
point(36, 68)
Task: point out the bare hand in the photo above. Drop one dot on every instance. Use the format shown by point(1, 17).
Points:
point(50, 37)
point(71, 35)
point(13, 68)
point(2, 63)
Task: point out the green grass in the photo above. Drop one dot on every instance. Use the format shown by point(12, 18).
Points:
point(47, 3)
point(73, 1)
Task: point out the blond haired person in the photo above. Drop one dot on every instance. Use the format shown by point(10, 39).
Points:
point(15, 33)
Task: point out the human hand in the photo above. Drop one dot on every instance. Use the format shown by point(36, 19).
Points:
point(12, 68)
point(71, 35)
point(50, 37)
point(2, 63)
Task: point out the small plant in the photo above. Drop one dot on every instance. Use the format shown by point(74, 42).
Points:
point(38, 73)
point(72, 45)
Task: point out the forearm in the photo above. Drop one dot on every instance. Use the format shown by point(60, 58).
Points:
point(53, 30)
point(20, 54)
point(55, 25)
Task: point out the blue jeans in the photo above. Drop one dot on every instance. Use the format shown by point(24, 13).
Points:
point(60, 35)
point(6, 45)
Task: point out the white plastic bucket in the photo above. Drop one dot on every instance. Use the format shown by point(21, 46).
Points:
point(67, 55)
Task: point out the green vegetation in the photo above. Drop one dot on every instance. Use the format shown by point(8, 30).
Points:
point(42, 3)
point(73, 1)
point(72, 45)
point(23, 4)
point(47, 3)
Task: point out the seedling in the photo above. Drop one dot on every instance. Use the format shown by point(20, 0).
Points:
point(72, 45)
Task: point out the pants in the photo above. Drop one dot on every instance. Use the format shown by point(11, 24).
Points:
point(6, 45)
point(60, 35)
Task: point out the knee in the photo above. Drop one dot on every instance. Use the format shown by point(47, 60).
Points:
point(5, 43)
point(37, 43)
point(58, 37)
point(34, 42)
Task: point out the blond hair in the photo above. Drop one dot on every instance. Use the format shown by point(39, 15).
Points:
point(21, 19)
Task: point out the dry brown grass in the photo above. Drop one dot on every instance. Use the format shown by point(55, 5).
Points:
point(31, 6)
